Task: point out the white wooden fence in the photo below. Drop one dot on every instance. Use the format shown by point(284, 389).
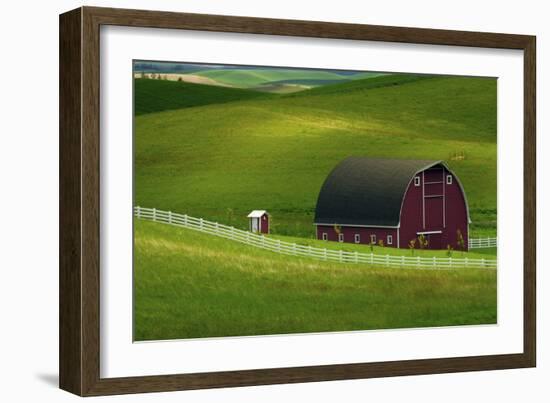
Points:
point(287, 248)
point(476, 243)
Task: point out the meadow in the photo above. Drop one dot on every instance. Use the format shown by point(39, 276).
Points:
point(192, 285)
point(219, 153)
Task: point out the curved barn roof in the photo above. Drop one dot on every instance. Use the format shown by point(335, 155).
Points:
point(367, 191)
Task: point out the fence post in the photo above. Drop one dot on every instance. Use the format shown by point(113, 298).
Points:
point(341, 257)
point(185, 220)
point(434, 261)
point(279, 245)
point(309, 252)
point(418, 261)
point(482, 262)
point(294, 247)
point(154, 214)
point(356, 257)
point(466, 262)
point(450, 261)
point(387, 260)
point(169, 217)
point(200, 223)
point(138, 212)
point(325, 250)
point(371, 258)
point(402, 260)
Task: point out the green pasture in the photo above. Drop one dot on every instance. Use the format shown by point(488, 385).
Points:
point(214, 153)
point(247, 78)
point(191, 285)
point(159, 95)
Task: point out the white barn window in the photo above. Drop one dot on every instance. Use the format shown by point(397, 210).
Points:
point(325, 236)
point(357, 238)
point(449, 179)
point(340, 237)
point(417, 181)
point(389, 240)
point(373, 238)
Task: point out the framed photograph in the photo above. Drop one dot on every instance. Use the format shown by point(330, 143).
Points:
point(249, 201)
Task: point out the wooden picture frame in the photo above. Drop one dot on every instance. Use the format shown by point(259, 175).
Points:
point(79, 278)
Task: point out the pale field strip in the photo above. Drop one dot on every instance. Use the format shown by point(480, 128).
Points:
point(294, 249)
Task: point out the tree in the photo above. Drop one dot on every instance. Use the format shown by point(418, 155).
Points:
point(412, 245)
point(460, 241)
point(422, 241)
point(337, 228)
point(449, 250)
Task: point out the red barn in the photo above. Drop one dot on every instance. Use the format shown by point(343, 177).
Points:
point(368, 200)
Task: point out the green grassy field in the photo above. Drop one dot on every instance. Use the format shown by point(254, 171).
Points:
point(248, 78)
point(161, 95)
point(210, 155)
point(191, 285)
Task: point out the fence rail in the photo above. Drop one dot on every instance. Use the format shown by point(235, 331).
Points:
point(477, 243)
point(287, 248)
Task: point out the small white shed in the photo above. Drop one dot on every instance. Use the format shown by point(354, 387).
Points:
point(259, 221)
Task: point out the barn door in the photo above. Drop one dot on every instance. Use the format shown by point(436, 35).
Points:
point(434, 213)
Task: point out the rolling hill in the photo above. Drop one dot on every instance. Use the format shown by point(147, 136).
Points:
point(221, 154)
point(160, 95)
point(252, 78)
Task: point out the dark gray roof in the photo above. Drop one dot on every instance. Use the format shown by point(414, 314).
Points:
point(367, 191)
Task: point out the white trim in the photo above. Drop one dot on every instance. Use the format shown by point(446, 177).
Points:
point(423, 201)
point(389, 239)
point(357, 238)
point(428, 232)
point(416, 180)
point(341, 237)
point(371, 238)
point(324, 236)
point(449, 180)
point(444, 200)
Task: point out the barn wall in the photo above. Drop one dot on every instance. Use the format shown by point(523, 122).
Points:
point(447, 214)
point(364, 232)
point(457, 215)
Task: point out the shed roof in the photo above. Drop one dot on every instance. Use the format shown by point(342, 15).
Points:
point(367, 191)
point(256, 213)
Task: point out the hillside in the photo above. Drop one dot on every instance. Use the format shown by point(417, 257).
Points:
point(247, 78)
point(190, 285)
point(219, 161)
point(160, 95)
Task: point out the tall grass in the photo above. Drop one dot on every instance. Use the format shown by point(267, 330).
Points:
point(192, 285)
